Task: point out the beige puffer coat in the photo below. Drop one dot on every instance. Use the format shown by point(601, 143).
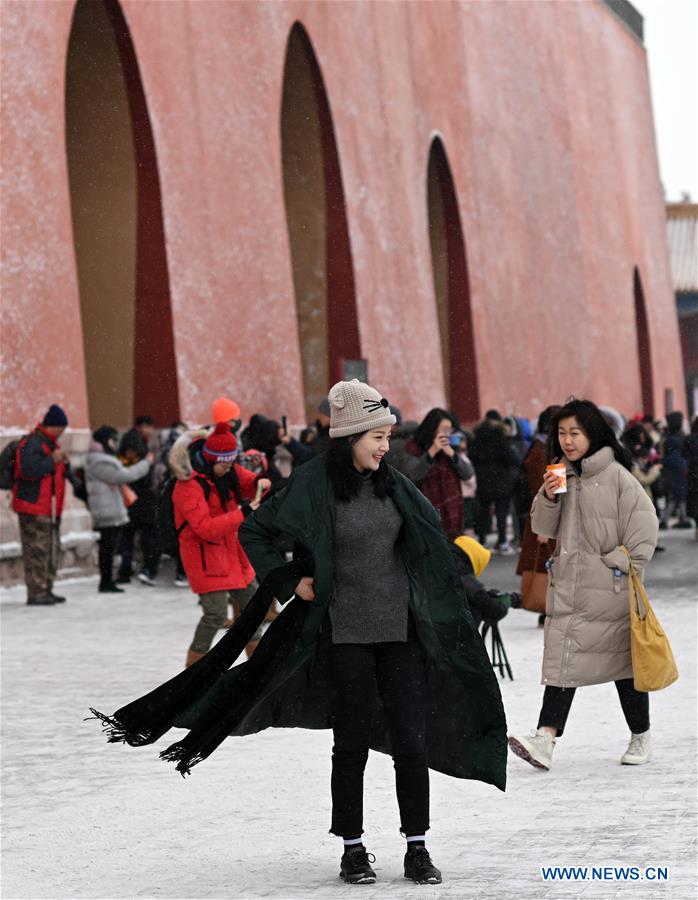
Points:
point(587, 629)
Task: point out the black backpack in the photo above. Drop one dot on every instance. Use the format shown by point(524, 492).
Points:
point(169, 533)
point(79, 483)
point(7, 464)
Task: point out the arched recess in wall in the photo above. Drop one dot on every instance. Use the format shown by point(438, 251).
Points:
point(451, 288)
point(644, 348)
point(323, 275)
point(117, 224)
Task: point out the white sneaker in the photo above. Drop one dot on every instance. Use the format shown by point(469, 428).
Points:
point(145, 578)
point(536, 748)
point(505, 549)
point(181, 582)
point(639, 750)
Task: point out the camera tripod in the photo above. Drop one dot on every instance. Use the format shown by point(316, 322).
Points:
point(498, 655)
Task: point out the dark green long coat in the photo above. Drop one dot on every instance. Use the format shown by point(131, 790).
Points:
point(286, 684)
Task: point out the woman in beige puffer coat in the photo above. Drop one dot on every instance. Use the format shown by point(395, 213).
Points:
point(587, 629)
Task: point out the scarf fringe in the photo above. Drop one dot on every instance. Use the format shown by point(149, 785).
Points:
point(184, 758)
point(147, 719)
point(117, 732)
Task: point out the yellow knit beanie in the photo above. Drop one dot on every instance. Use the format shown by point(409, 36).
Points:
point(479, 555)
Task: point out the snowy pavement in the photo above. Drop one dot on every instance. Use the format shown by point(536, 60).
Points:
point(84, 819)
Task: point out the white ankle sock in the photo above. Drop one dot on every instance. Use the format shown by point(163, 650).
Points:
point(352, 842)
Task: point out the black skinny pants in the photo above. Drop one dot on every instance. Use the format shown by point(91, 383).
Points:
point(484, 518)
point(150, 547)
point(635, 704)
point(397, 669)
point(108, 543)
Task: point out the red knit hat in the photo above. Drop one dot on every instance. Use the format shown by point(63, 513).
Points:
point(221, 445)
point(224, 409)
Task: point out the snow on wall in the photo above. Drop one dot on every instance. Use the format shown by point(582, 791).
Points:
point(545, 115)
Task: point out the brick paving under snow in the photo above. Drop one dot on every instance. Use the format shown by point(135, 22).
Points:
point(85, 819)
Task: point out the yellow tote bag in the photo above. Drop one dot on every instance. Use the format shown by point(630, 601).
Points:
point(654, 666)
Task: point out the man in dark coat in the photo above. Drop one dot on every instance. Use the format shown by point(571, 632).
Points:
point(496, 464)
point(38, 491)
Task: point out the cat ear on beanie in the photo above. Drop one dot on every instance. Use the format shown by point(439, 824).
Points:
point(356, 407)
point(336, 396)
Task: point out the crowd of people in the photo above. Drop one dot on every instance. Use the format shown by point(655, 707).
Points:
point(474, 476)
point(377, 529)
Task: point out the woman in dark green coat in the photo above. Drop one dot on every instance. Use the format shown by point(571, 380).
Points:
point(385, 627)
point(377, 642)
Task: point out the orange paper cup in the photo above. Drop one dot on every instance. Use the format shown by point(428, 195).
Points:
point(559, 469)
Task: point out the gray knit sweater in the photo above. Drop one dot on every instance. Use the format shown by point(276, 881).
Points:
point(371, 589)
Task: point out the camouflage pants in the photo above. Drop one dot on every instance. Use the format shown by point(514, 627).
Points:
point(215, 612)
point(40, 548)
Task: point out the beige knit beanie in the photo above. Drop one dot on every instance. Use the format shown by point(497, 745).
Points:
point(355, 407)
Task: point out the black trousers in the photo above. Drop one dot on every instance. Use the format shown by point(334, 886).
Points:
point(484, 518)
point(397, 670)
point(558, 701)
point(150, 546)
point(108, 543)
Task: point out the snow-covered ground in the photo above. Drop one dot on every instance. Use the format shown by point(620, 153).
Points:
point(83, 819)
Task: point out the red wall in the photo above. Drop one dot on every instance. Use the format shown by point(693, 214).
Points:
point(545, 115)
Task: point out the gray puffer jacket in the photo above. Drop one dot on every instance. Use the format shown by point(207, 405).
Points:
point(104, 475)
point(587, 629)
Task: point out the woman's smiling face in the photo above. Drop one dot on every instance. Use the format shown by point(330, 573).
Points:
point(573, 441)
point(370, 449)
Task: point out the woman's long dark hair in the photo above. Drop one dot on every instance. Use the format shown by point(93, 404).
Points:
point(346, 479)
point(594, 425)
point(224, 484)
point(424, 435)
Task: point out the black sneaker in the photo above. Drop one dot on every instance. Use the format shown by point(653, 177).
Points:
point(109, 587)
point(355, 866)
point(123, 579)
point(57, 598)
point(47, 600)
point(419, 867)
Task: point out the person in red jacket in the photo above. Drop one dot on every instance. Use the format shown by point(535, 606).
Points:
point(38, 492)
point(208, 504)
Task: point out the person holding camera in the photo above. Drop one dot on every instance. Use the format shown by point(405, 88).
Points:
point(486, 605)
point(431, 460)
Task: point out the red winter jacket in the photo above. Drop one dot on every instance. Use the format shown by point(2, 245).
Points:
point(38, 478)
point(211, 553)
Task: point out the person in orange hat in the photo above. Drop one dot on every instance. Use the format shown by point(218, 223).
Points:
point(226, 410)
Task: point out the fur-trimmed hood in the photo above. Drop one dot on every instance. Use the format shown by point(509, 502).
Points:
point(179, 460)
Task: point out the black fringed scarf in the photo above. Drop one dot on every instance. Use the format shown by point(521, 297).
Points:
point(146, 720)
